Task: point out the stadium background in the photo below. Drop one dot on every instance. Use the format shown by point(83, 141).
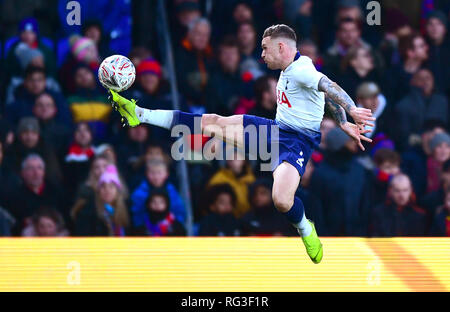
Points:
point(87, 176)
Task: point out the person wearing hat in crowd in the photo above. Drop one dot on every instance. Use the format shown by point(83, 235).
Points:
point(152, 90)
point(29, 141)
point(368, 95)
point(399, 215)
point(35, 192)
point(105, 214)
point(16, 58)
point(82, 51)
point(342, 186)
point(439, 61)
point(440, 153)
point(422, 103)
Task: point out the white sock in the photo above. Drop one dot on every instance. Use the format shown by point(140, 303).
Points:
point(157, 117)
point(304, 228)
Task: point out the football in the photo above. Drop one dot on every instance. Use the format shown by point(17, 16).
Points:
point(117, 73)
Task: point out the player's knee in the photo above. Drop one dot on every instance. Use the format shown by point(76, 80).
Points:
point(282, 202)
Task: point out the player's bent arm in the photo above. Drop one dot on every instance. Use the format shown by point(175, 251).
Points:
point(334, 92)
point(336, 111)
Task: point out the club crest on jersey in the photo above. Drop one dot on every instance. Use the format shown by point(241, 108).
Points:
point(282, 98)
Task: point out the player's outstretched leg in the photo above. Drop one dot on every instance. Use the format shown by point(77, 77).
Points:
point(286, 180)
point(228, 129)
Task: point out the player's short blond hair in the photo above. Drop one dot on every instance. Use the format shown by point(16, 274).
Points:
point(280, 31)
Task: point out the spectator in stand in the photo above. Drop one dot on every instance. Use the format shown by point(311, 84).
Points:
point(439, 60)
point(414, 159)
point(309, 48)
point(29, 35)
point(422, 103)
point(159, 221)
point(325, 126)
point(86, 191)
point(9, 181)
point(82, 50)
point(186, 12)
point(263, 219)
point(150, 88)
point(299, 14)
point(35, 192)
point(138, 54)
point(29, 141)
point(93, 30)
point(348, 35)
point(107, 214)
point(25, 95)
point(441, 218)
point(157, 175)
point(357, 67)
point(55, 133)
point(440, 153)
point(248, 43)
point(387, 165)
point(79, 156)
point(131, 150)
point(414, 53)
point(46, 222)
point(239, 175)
point(221, 221)
point(368, 95)
point(399, 215)
point(345, 204)
point(225, 83)
point(193, 59)
point(431, 201)
point(397, 26)
point(89, 103)
point(265, 98)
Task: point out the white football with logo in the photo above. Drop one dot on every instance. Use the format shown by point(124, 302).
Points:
point(117, 73)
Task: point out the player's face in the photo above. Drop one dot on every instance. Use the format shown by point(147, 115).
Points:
point(271, 53)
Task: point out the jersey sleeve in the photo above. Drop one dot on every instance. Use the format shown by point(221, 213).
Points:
point(306, 75)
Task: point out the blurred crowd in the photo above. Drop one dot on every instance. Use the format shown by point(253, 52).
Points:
point(68, 168)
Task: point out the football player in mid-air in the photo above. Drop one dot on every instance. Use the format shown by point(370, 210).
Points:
point(303, 93)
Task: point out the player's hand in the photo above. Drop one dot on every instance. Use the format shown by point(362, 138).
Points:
point(362, 116)
point(356, 132)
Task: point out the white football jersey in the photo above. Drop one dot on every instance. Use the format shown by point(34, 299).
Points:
point(300, 105)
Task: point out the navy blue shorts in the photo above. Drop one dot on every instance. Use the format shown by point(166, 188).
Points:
point(294, 147)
